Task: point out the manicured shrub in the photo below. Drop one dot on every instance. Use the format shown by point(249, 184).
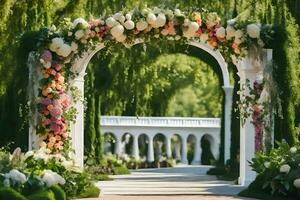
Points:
point(58, 192)
point(121, 170)
point(7, 193)
point(42, 195)
point(90, 192)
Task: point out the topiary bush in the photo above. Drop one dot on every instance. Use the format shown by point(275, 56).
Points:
point(8, 193)
point(42, 195)
point(58, 192)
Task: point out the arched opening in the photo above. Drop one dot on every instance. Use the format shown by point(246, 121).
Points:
point(127, 143)
point(208, 145)
point(159, 147)
point(192, 154)
point(143, 141)
point(176, 141)
point(109, 143)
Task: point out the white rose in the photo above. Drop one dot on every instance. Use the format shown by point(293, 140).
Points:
point(238, 34)
point(267, 164)
point(122, 19)
point(79, 34)
point(151, 18)
point(80, 21)
point(110, 22)
point(186, 22)
point(121, 38)
point(118, 16)
point(253, 30)
point(74, 46)
point(230, 32)
point(117, 31)
point(285, 169)
point(177, 12)
point(129, 25)
point(297, 183)
point(128, 16)
point(64, 50)
point(231, 22)
point(141, 25)
point(203, 37)
point(293, 149)
point(193, 27)
point(56, 44)
point(221, 32)
point(164, 32)
point(161, 20)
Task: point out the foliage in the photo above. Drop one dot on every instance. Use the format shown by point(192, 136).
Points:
point(11, 194)
point(40, 174)
point(91, 191)
point(278, 170)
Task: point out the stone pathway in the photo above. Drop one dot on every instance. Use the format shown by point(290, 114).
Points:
point(182, 182)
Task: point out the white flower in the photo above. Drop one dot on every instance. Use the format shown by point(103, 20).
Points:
point(230, 32)
point(67, 164)
point(170, 14)
point(264, 97)
point(156, 10)
point(117, 16)
point(117, 31)
point(52, 178)
point(110, 22)
point(177, 37)
point(267, 164)
point(297, 183)
point(74, 46)
point(253, 30)
point(128, 16)
point(28, 154)
point(238, 34)
point(203, 37)
point(56, 44)
point(161, 20)
point(16, 176)
point(177, 12)
point(80, 21)
point(141, 25)
point(293, 149)
point(231, 21)
point(64, 50)
point(129, 25)
point(221, 32)
point(193, 27)
point(285, 168)
point(151, 18)
point(79, 34)
point(188, 34)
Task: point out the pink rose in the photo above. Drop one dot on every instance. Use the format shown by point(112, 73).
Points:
point(57, 67)
point(55, 128)
point(56, 112)
point(65, 100)
point(46, 56)
point(46, 101)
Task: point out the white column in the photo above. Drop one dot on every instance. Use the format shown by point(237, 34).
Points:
point(150, 156)
point(197, 152)
point(118, 145)
point(135, 148)
point(77, 129)
point(168, 147)
point(184, 150)
point(252, 70)
point(227, 125)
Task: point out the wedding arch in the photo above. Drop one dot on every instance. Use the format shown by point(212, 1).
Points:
point(57, 70)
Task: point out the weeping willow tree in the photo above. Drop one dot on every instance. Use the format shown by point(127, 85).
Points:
point(18, 17)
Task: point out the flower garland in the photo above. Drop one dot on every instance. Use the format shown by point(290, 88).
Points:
point(60, 48)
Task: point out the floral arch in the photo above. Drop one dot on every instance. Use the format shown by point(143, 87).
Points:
point(58, 67)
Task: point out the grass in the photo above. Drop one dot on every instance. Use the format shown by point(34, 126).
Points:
point(91, 192)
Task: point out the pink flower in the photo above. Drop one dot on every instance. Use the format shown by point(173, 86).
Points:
point(55, 128)
point(46, 101)
point(46, 56)
point(57, 67)
point(65, 100)
point(56, 112)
